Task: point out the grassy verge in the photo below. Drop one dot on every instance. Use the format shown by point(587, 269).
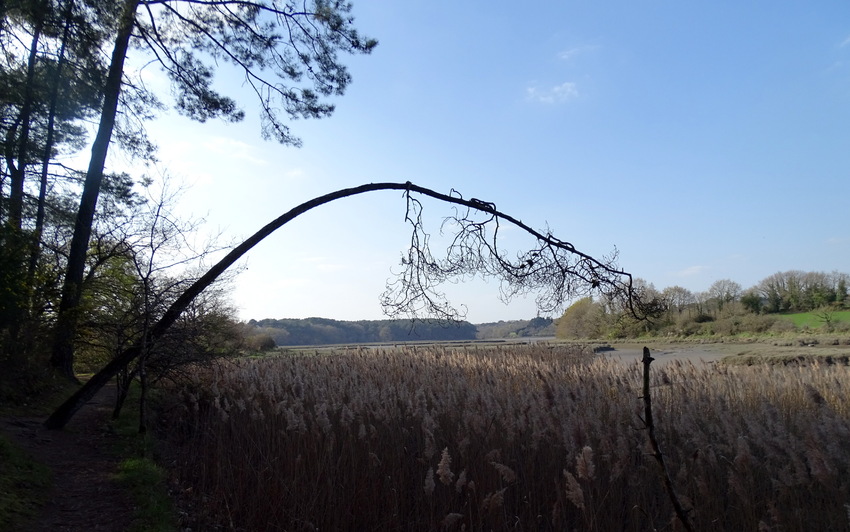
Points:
point(146, 481)
point(750, 359)
point(139, 473)
point(23, 484)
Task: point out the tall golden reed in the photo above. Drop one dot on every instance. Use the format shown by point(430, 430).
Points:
point(517, 438)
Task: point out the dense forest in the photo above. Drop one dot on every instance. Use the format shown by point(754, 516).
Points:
point(539, 326)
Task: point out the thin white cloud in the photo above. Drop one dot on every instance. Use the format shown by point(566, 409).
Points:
point(267, 286)
point(845, 42)
point(295, 173)
point(331, 268)
point(571, 53)
point(566, 55)
point(235, 149)
point(558, 94)
point(691, 271)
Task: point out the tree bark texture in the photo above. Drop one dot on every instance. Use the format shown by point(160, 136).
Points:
point(62, 358)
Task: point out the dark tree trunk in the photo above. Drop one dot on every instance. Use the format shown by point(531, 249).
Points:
point(48, 146)
point(17, 172)
point(123, 380)
point(62, 358)
point(143, 395)
point(15, 245)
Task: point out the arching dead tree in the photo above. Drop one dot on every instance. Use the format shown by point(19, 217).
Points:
point(554, 269)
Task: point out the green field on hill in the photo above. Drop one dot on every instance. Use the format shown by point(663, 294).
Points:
point(816, 318)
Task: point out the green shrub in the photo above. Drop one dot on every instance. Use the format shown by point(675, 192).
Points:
point(727, 326)
point(782, 326)
point(757, 323)
point(583, 319)
point(260, 342)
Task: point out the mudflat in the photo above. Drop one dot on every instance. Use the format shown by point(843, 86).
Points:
point(831, 351)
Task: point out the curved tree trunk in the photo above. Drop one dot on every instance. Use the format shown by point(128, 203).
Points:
point(65, 411)
point(63, 414)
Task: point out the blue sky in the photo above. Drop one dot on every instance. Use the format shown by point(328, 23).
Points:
point(703, 140)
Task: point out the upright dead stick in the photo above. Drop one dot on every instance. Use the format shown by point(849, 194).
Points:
point(681, 513)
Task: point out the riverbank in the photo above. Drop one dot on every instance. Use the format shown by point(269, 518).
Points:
point(829, 350)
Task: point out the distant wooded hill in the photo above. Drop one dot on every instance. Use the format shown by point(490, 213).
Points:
point(321, 331)
point(516, 328)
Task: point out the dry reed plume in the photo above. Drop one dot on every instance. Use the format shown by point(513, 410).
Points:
point(519, 438)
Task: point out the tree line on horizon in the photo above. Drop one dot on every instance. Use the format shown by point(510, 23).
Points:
point(725, 308)
point(324, 331)
point(269, 332)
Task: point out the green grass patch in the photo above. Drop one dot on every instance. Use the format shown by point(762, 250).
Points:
point(23, 485)
point(146, 482)
point(139, 473)
point(816, 319)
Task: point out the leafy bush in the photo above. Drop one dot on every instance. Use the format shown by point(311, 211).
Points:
point(260, 343)
point(583, 319)
point(729, 326)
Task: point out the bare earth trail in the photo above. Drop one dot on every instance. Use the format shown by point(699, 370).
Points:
point(85, 495)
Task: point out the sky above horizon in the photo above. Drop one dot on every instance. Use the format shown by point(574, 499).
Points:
point(703, 141)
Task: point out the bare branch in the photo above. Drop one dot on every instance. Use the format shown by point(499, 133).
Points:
point(552, 269)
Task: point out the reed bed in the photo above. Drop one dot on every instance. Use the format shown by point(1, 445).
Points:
point(518, 438)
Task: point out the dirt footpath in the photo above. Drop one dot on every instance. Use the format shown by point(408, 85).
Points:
point(85, 494)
